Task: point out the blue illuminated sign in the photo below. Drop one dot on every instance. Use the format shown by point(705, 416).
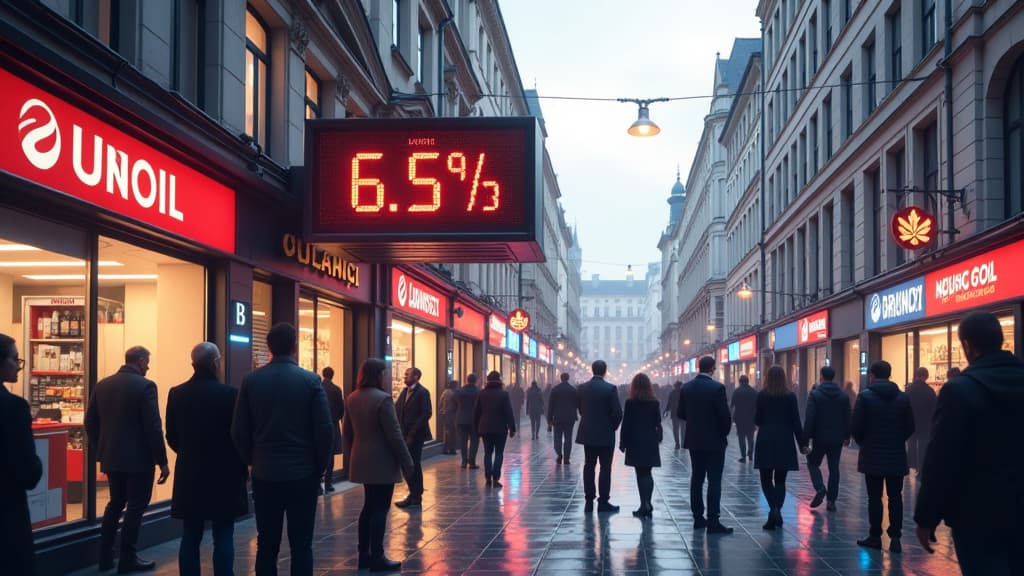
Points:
point(240, 322)
point(785, 336)
point(531, 347)
point(901, 303)
point(512, 340)
point(734, 351)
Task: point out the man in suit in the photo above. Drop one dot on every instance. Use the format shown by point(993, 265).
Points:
point(744, 405)
point(469, 441)
point(703, 405)
point(600, 416)
point(827, 424)
point(336, 405)
point(562, 417)
point(922, 402)
point(125, 433)
point(209, 482)
point(282, 428)
point(414, 411)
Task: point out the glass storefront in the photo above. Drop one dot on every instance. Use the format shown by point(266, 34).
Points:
point(493, 363)
point(816, 359)
point(851, 364)
point(262, 312)
point(415, 345)
point(463, 359)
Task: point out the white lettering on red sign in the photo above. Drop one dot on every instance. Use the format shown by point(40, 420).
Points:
point(966, 280)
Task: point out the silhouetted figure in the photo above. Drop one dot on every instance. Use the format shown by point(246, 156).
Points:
point(517, 395)
point(744, 405)
point(535, 408)
point(827, 427)
point(882, 422)
point(209, 482)
point(336, 405)
point(600, 416)
point(639, 438)
point(448, 411)
point(469, 441)
point(672, 408)
point(21, 468)
point(495, 422)
point(377, 458)
point(562, 409)
point(125, 433)
point(922, 402)
point(973, 473)
point(777, 417)
point(414, 412)
point(703, 405)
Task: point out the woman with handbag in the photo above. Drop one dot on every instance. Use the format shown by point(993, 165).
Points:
point(639, 438)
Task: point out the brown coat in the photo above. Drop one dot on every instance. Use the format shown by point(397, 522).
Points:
point(373, 441)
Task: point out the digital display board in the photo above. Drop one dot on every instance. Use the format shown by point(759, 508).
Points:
point(401, 189)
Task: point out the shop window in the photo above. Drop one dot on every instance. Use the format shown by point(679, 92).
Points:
point(415, 346)
point(312, 96)
point(307, 334)
point(1013, 130)
point(851, 364)
point(262, 312)
point(257, 78)
point(898, 351)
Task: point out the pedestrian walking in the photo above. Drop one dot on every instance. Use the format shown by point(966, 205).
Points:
point(600, 416)
point(209, 480)
point(702, 404)
point(639, 439)
point(744, 405)
point(777, 418)
point(882, 422)
point(518, 396)
point(447, 410)
point(469, 441)
point(21, 467)
point(378, 458)
point(125, 433)
point(282, 429)
point(922, 403)
point(535, 408)
point(672, 408)
point(336, 406)
point(495, 422)
point(826, 429)
point(414, 412)
point(562, 408)
point(973, 475)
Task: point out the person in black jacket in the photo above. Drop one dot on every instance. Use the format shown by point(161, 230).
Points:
point(639, 438)
point(469, 442)
point(882, 422)
point(672, 409)
point(209, 483)
point(703, 405)
point(922, 402)
point(534, 408)
point(20, 468)
point(600, 416)
point(744, 404)
point(495, 422)
point(562, 417)
point(336, 404)
point(973, 475)
point(827, 425)
point(125, 432)
point(414, 410)
point(777, 417)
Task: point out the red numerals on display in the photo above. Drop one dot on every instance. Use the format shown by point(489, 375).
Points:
point(420, 165)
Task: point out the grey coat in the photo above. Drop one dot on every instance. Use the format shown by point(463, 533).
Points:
point(373, 441)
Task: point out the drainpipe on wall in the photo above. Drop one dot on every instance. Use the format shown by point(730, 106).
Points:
point(440, 65)
point(947, 64)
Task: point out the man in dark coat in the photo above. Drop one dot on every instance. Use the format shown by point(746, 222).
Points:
point(469, 442)
point(744, 405)
point(882, 422)
point(336, 405)
point(534, 408)
point(20, 468)
point(562, 416)
point(125, 432)
point(447, 409)
point(827, 425)
point(703, 405)
point(922, 402)
point(414, 410)
point(600, 416)
point(282, 428)
point(493, 420)
point(518, 397)
point(209, 482)
point(973, 475)
point(672, 409)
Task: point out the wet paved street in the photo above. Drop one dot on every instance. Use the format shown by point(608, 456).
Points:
point(536, 525)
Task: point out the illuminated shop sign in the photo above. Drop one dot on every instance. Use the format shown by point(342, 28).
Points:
point(734, 351)
point(748, 348)
point(519, 320)
point(785, 336)
point(496, 331)
point(320, 260)
point(513, 340)
point(418, 299)
point(992, 277)
point(901, 303)
point(468, 321)
point(723, 355)
point(531, 346)
point(544, 352)
point(813, 328)
point(913, 228)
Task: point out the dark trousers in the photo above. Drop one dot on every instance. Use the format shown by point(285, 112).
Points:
point(644, 485)
point(272, 501)
point(981, 552)
point(469, 443)
point(535, 424)
point(415, 480)
point(894, 491)
point(814, 468)
point(678, 430)
point(223, 547)
point(373, 519)
point(450, 434)
point(133, 491)
point(746, 442)
point(773, 485)
point(706, 463)
point(563, 439)
point(592, 454)
point(494, 454)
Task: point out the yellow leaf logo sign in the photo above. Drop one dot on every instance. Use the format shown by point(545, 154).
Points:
point(520, 320)
point(912, 228)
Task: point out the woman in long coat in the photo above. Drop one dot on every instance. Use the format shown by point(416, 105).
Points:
point(639, 438)
point(777, 418)
point(377, 458)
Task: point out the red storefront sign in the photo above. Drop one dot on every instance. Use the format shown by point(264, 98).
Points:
point(748, 347)
point(416, 298)
point(469, 322)
point(497, 331)
point(992, 277)
point(544, 352)
point(813, 328)
point(723, 355)
point(50, 142)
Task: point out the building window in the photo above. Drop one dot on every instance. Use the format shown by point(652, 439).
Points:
point(396, 23)
point(803, 64)
point(803, 158)
point(929, 141)
point(894, 25)
point(1013, 131)
point(813, 150)
point(257, 78)
point(846, 95)
point(827, 239)
point(847, 11)
point(312, 96)
point(927, 26)
point(826, 22)
point(897, 164)
point(826, 117)
point(420, 54)
point(873, 183)
point(870, 94)
point(847, 239)
point(187, 50)
point(812, 37)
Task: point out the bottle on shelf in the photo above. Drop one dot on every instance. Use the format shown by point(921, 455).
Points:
point(54, 325)
point(74, 331)
point(65, 323)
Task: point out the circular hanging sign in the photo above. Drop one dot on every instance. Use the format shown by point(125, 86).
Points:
point(913, 228)
point(519, 320)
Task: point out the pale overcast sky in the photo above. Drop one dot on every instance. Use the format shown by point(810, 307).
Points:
point(614, 186)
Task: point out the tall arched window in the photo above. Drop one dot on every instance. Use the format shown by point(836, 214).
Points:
point(1013, 130)
point(257, 77)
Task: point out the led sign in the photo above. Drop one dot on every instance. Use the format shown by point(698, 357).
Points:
point(434, 189)
point(912, 228)
point(519, 320)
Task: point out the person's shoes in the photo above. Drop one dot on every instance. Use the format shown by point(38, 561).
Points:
point(329, 487)
point(385, 565)
point(677, 447)
point(364, 562)
point(106, 564)
point(559, 459)
point(717, 528)
point(894, 546)
point(409, 502)
point(320, 490)
point(607, 507)
point(699, 523)
point(465, 464)
point(495, 483)
point(643, 512)
point(769, 525)
point(136, 565)
point(818, 499)
point(831, 506)
point(589, 506)
point(744, 459)
point(473, 466)
point(871, 542)
point(487, 482)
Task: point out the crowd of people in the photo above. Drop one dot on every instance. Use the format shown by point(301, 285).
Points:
point(282, 427)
